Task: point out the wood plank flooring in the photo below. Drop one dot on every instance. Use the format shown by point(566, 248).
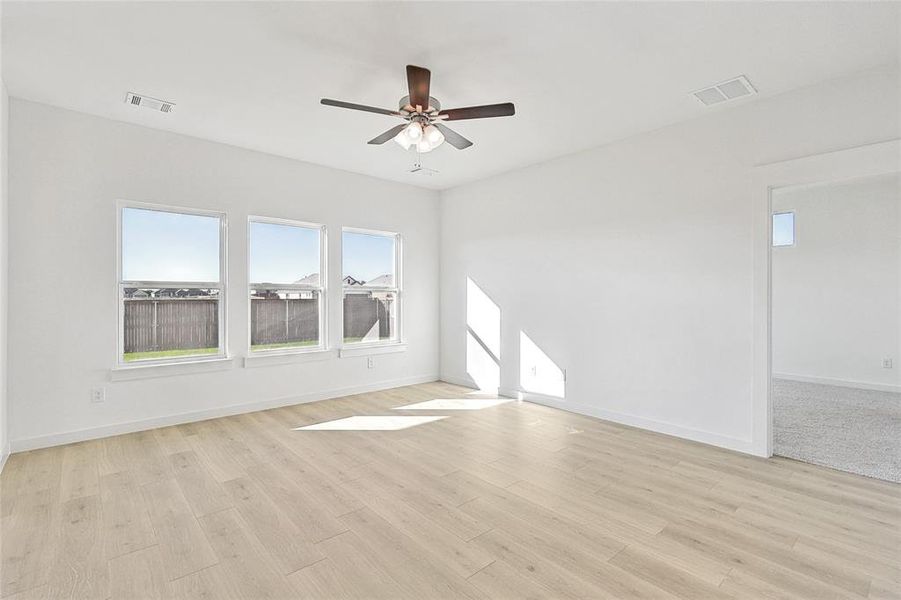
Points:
point(515, 500)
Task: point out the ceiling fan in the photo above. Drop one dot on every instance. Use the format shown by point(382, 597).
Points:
point(423, 128)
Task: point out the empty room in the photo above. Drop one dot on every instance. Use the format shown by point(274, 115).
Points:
point(438, 300)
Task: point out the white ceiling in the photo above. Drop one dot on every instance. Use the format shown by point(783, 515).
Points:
point(581, 74)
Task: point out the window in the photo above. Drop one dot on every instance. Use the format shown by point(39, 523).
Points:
point(783, 229)
point(372, 291)
point(171, 284)
point(287, 285)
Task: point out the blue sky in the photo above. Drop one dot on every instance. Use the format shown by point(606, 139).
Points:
point(282, 253)
point(783, 229)
point(367, 256)
point(164, 246)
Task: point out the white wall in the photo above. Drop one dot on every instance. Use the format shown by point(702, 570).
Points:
point(4, 287)
point(66, 172)
point(835, 292)
point(4, 246)
point(630, 265)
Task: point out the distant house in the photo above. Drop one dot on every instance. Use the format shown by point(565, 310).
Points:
point(192, 293)
point(165, 293)
point(311, 279)
point(348, 280)
point(266, 294)
point(381, 281)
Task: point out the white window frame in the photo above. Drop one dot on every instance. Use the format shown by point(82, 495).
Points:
point(397, 288)
point(794, 215)
point(220, 285)
point(322, 288)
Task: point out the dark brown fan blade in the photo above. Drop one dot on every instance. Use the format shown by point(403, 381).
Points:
point(453, 138)
point(479, 112)
point(363, 107)
point(418, 81)
point(388, 134)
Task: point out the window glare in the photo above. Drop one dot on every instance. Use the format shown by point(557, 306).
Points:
point(281, 253)
point(368, 258)
point(783, 229)
point(155, 245)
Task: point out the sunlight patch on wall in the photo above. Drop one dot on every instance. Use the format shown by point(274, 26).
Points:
point(455, 404)
point(483, 317)
point(483, 338)
point(537, 372)
point(481, 366)
point(369, 423)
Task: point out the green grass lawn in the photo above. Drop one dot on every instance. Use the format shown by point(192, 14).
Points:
point(133, 356)
point(302, 344)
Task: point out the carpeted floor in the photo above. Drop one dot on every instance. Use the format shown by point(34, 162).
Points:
point(848, 429)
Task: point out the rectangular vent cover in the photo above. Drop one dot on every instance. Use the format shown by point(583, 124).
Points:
point(148, 102)
point(735, 88)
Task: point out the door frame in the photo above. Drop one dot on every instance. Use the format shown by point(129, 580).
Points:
point(862, 161)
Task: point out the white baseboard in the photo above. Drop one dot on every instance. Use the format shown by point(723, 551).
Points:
point(69, 437)
point(467, 383)
point(860, 385)
point(4, 456)
point(680, 431)
point(462, 381)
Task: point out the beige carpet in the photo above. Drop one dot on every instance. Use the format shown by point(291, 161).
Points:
point(853, 430)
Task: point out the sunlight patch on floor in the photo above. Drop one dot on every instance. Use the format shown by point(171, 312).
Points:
point(369, 423)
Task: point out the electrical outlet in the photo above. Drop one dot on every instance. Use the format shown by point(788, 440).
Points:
point(98, 394)
point(886, 363)
point(370, 362)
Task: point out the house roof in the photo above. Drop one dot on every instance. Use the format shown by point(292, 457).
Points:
point(311, 279)
point(386, 280)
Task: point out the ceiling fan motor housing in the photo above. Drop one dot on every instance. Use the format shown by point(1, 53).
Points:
point(433, 107)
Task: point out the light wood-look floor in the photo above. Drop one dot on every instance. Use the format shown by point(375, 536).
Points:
point(512, 501)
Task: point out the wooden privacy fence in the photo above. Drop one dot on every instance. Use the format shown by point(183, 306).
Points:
point(171, 324)
point(159, 324)
point(361, 312)
point(277, 321)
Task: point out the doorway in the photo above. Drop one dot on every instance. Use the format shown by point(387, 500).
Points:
point(835, 309)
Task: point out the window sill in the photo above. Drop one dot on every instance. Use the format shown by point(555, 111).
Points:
point(368, 350)
point(127, 373)
point(264, 359)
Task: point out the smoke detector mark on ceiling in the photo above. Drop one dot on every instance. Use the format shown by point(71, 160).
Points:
point(148, 102)
point(735, 88)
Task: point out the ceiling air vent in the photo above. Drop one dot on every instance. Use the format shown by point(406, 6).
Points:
point(148, 102)
point(739, 87)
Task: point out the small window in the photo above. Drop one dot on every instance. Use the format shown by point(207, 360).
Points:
point(784, 229)
point(372, 291)
point(171, 284)
point(287, 286)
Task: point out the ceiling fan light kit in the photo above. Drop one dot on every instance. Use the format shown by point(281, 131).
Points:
point(424, 129)
point(422, 139)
